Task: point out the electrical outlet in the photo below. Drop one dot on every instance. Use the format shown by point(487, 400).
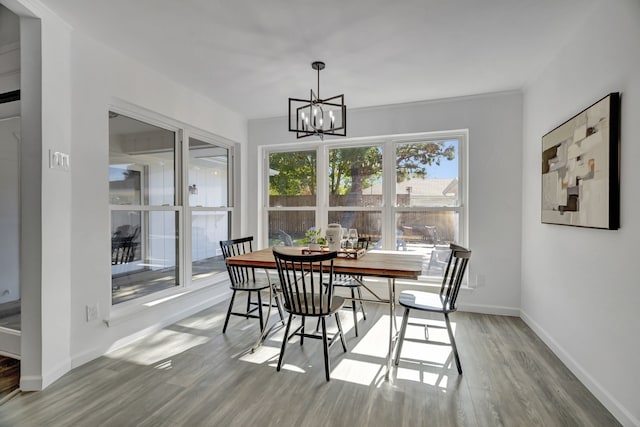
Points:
point(92, 312)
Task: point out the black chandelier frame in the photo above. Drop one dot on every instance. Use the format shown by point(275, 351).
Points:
point(311, 124)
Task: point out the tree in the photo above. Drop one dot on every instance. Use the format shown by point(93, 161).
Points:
point(412, 160)
point(295, 173)
point(352, 169)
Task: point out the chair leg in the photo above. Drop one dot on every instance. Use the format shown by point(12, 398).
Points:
point(260, 311)
point(284, 342)
point(226, 320)
point(248, 303)
point(403, 329)
point(344, 342)
point(364, 315)
point(302, 331)
point(325, 347)
point(453, 343)
point(355, 312)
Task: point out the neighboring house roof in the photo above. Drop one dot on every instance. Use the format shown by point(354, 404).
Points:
point(421, 187)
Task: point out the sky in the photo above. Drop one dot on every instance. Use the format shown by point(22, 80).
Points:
point(447, 168)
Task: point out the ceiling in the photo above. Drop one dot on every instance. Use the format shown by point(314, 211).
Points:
point(252, 55)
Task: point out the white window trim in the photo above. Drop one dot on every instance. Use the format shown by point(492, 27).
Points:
point(186, 286)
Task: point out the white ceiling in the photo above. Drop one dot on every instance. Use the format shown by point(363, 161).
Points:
point(252, 55)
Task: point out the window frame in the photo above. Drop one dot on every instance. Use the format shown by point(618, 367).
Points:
point(389, 208)
point(183, 132)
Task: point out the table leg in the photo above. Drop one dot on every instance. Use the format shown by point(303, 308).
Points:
point(265, 330)
point(393, 327)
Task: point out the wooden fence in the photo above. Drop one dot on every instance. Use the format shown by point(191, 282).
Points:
point(412, 224)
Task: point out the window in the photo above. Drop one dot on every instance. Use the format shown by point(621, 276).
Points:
point(150, 208)
point(428, 199)
point(208, 189)
point(404, 193)
point(292, 196)
point(351, 172)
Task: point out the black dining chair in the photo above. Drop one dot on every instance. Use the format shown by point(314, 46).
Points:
point(244, 279)
point(444, 302)
point(354, 284)
point(302, 281)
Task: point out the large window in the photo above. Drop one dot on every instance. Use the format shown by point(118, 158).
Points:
point(209, 201)
point(352, 173)
point(155, 213)
point(292, 196)
point(405, 194)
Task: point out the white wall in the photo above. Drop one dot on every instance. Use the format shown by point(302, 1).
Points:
point(495, 151)
point(580, 287)
point(102, 76)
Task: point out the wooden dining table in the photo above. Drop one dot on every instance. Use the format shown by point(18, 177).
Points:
point(391, 265)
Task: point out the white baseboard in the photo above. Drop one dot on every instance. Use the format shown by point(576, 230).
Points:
point(490, 309)
point(621, 413)
point(31, 383)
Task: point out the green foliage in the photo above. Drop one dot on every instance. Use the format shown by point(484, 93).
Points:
point(296, 173)
point(352, 169)
point(314, 235)
point(412, 159)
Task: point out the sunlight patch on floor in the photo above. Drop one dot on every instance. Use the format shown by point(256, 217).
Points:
point(203, 323)
point(288, 367)
point(263, 354)
point(358, 372)
point(417, 375)
point(164, 366)
point(159, 346)
point(375, 343)
point(436, 334)
point(432, 354)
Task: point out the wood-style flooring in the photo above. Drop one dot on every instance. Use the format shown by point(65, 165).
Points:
point(190, 374)
point(9, 376)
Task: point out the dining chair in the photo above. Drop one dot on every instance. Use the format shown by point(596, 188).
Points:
point(244, 279)
point(443, 302)
point(354, 284)
point(302, 281)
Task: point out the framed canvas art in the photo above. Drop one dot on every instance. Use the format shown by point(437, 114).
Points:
point(580, 168)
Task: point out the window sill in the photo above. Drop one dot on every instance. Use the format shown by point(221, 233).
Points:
point(125, 311)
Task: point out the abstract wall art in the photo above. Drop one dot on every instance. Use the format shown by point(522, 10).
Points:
point(580, 168)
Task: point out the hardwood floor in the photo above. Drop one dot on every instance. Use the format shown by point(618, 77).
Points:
point(9, 376)
point(189, 374)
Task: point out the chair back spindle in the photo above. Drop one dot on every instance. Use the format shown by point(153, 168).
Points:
point(238, 274)
point(302, 278)
point(453, 274)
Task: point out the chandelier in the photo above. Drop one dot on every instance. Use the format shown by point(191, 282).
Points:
point(317, 116)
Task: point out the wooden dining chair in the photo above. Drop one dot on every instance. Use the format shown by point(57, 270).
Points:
point(244, 279)
point(354, 284)
point(443, 302)
point(302, 281)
